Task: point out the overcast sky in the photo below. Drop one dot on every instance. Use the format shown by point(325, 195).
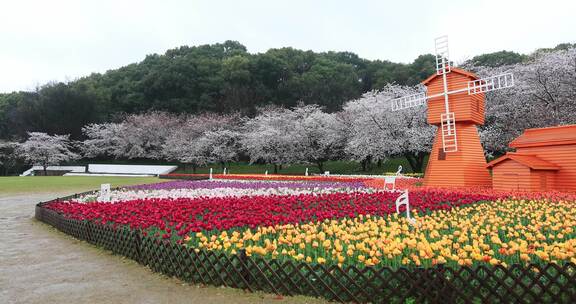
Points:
point(56, 40)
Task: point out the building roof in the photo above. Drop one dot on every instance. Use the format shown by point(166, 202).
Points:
point(528, 160)
point(560, 135)
point(453, 70)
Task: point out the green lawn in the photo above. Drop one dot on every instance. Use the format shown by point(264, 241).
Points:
point(38, 184)
point(335, 167)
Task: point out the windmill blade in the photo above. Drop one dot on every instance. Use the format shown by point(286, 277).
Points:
point(442, 55)
point(492, 83)
point(409, 101)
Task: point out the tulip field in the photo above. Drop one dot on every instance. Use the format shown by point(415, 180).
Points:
point(342, 222)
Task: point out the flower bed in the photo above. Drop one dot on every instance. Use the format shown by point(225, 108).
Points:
point(330, 232)
point(347, 283)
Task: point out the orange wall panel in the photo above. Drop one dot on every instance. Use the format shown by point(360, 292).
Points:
point(563, 156)
point(510, 175)
point(464, 168)
point(542, 180)
point(465, 107)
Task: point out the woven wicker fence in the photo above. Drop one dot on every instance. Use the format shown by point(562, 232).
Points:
point(532, 283)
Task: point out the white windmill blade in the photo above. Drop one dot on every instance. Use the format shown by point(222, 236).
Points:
point(442, 55)
point(409, 101)
point(491, 83)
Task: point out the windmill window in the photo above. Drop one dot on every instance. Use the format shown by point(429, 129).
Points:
point(441, 154)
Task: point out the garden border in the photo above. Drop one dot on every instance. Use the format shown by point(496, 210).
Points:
point(533, 283)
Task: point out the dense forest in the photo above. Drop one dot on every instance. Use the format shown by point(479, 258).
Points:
point(222, 78)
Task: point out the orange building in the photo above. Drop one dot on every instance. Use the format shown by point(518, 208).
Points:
point(467, 166)
point(545, 159)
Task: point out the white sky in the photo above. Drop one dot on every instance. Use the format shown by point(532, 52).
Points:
point(58, 40)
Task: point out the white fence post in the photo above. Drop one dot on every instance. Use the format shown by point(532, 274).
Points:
point(404, 199)
point(104, 193)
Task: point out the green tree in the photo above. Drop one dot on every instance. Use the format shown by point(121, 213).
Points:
point(497, 59)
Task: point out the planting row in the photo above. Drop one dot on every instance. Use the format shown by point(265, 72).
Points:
point(272, 177)
point(117, 196)
point(243, 184)
point(179, 216)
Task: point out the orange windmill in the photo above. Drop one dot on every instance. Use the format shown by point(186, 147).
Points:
point(455, 99)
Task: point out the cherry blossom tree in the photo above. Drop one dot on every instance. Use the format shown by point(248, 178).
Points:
point(41, 149)
point(146, 134)
point(375, 133)
point(304, 134)
point(270, 138)
point(196, 140)
point(319, 136)
point(222, 145)
point(103, 140)
point(137, 136)
point(364, 138)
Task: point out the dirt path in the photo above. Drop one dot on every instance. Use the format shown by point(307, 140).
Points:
point(38, 264)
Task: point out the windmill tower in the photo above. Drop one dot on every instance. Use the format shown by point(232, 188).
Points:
point(455, 99)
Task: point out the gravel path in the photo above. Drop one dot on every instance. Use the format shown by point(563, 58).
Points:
point(39, 264)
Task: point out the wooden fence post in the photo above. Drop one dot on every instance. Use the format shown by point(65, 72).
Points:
point(245, 272)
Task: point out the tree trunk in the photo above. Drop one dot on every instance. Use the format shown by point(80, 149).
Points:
point(320, 166)
point(45, 169)
point(420, 162)
point(416, 161)
point(275, 169)
point(366, 163)
point(379, 163)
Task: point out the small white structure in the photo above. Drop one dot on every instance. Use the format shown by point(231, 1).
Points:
point(391, 179)
point(104, 193)
point(224, 172)
point(106, 170)
point(266, 173)
point(73, 169)
point(109, 174)
point(210, 176)
point(306, 174)
point(326, 173)
point(131, 170)
point(404, 199)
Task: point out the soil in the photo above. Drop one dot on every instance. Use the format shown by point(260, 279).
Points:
point(39, 264)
